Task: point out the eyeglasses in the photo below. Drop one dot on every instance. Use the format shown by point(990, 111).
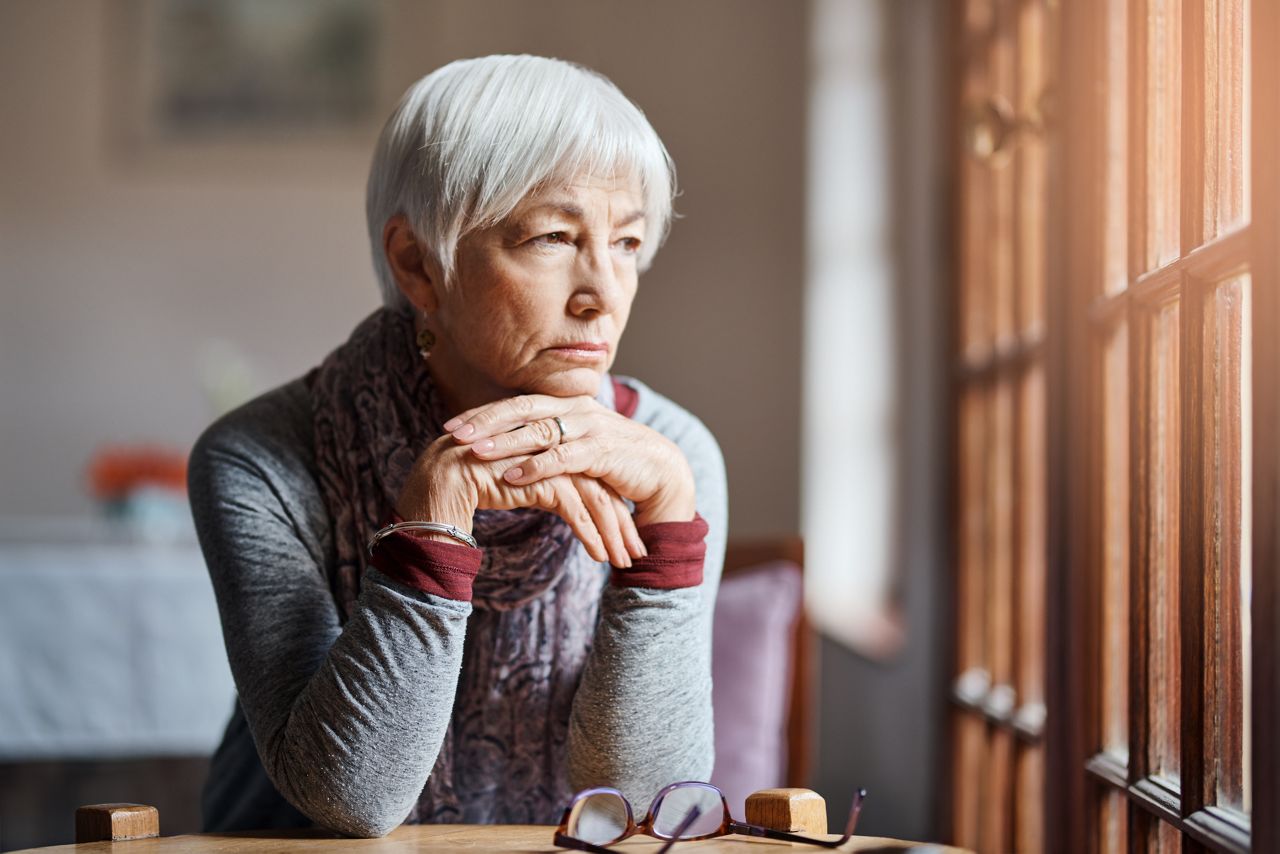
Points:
point(680, 812)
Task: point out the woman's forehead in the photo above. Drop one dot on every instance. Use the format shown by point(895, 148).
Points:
point(577, 198)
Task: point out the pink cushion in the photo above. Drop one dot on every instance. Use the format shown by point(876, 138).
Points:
point(751, 678)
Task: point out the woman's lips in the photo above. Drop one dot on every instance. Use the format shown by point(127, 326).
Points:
point(582, 351)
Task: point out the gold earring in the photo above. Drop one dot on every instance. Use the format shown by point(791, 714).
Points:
point(425, 338)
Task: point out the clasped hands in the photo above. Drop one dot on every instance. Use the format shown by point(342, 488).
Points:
point(511, 453)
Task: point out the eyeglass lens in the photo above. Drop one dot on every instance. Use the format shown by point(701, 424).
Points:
point(675, 805)
point(600, 818)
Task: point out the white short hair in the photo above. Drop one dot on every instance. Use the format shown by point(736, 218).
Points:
point(472, 139)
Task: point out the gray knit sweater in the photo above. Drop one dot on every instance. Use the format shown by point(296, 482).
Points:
point(340, 725)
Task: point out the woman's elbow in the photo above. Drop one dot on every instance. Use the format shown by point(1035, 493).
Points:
point(364, 825)
point(347, 806)
point(362, 818)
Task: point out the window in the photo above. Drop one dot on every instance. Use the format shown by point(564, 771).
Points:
point(999, 690)
point(1116, 355)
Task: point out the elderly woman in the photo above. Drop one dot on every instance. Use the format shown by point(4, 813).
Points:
point(462, 570)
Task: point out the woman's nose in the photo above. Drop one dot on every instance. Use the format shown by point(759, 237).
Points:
point(597, 288)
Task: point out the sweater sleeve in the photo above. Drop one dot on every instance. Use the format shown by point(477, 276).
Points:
point(347, 720)
point(642, 716)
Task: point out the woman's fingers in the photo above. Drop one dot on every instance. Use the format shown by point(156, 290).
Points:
point(595, 512)
point(529, 439)
point(569, 506)
point(599, 501)
point(627, 523)
point(585, 456)
point(500, 416)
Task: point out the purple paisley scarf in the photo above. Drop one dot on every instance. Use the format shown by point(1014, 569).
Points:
point(534, 601)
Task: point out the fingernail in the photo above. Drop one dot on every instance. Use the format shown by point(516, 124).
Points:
point(486, 445)
point(452, 424)
point(464, 431)
point(513, 473)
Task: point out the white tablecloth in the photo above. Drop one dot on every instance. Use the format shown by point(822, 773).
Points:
point(109, 649)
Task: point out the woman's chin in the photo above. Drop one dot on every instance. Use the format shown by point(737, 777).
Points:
point(570, 383)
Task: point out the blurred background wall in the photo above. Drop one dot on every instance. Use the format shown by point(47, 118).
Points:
point(128, 266)
point(146, 282)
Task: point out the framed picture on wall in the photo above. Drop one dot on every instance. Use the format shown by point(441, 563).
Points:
point(205, 77)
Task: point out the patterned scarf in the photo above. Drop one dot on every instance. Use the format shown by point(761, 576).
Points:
point(534, 602)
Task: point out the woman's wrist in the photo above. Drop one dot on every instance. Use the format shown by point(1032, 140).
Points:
point(673, 504)
point(437, 495)
point(676, 501)
point(654, 512)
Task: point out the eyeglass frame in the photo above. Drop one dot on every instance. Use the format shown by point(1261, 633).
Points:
point(728, 826)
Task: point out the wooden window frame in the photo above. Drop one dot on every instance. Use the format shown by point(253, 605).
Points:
point(997, 695)
point(1265, 255)
point(1075, 316)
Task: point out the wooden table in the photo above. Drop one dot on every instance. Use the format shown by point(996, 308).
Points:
point(531, 839)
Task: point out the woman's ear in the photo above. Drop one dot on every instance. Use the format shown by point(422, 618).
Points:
point(415, 274)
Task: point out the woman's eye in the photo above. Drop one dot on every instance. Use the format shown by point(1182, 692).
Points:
point(553, 238)
point(630, 244)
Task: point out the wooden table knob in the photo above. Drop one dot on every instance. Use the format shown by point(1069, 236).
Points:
point(116, 822)
point(792, 810)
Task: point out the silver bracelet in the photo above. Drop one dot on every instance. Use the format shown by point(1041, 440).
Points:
point(435, 527)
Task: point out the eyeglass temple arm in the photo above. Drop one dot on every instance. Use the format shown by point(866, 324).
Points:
point(565, 841)
point(689, 818)
point(757, 830)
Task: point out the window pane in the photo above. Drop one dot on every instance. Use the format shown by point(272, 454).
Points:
point(1115, 214)
point(1157, 191)
point(1226, 126)
point(1029, 795)
point(971, 585)
point(1001, 232)
point(1153, 835)
point(975, 278)
point(1226, 384)
point(1164, 838)
point(1115, 478)
point(1113, 822)
point(1032, 168)
point(969, 780)
point(1000, 496)
point(969, 777)
point(997, 799)
point(1030, 644)
point(1162, 482)
point(977, 294)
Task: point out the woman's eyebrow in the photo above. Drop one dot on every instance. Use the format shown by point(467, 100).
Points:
point(574, 212)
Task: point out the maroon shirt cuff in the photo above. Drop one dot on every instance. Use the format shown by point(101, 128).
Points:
point(677, 552)
point(442, 569)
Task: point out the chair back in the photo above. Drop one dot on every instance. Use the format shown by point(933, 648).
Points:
point(761, 659)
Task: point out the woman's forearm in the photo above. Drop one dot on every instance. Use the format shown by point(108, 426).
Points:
point(642, 715)
point(347, 720)
point(353, 748)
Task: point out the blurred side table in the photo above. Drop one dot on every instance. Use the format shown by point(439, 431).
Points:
point(111, 661)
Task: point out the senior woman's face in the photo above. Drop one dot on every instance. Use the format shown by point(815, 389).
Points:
point(541, 299)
